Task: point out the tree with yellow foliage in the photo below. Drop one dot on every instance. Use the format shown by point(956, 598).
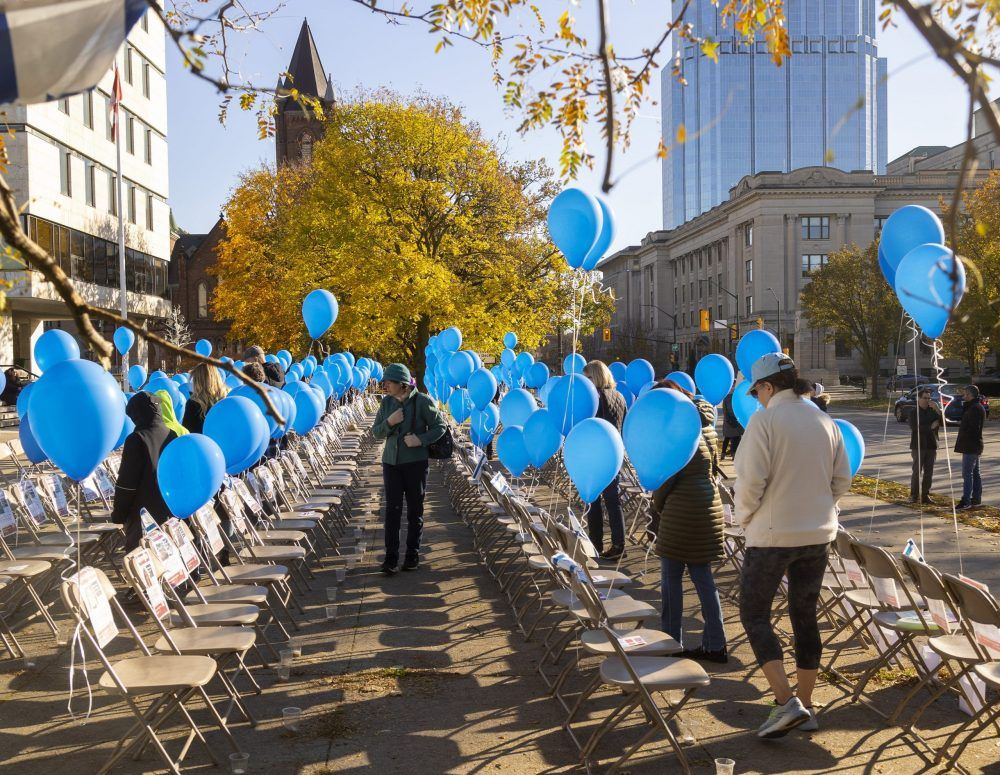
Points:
point(414, 220)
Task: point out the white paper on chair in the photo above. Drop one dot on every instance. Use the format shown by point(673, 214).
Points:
point(247, 497)
point(58, 494)
point(930, 658)
point(34, 504)
point(885, 591)
point(183, 543)
point(96, 606)
point(988, 636)
point(143, 562)
point(974, 688)
point(91, 490)
point(174, 572)
point(854, 573)
point(632, 642)
point(8, 525)
point(730, 517)
point(940, 614)
point(147, 521)
point(205, 518)
point(104, 482)
point(598, 579)
point(976, 584)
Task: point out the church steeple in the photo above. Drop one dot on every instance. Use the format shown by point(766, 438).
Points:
point(295, 128)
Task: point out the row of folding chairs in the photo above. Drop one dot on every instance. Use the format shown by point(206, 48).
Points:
point(221, 586)
point(591, 633)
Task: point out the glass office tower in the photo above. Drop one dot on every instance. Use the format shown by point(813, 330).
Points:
point(826, 105)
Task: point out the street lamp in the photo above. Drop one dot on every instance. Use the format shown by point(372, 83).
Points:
point(670, 315)
point(778, 302)
point(732, 295)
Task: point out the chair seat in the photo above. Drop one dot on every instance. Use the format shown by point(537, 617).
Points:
point(282, 536)
point(862, 598)
point(538, 561)
point(233, 614)
point(903, 621)
point(229, 593)
point(61, 539)
point(209, 640)
point(566, 599)
point(603, 578)
point(24, 569)
point(295, 524)
point(989, 672)
point(161, 673)
point(655, 673)
point(47, 553)
point(530, 548)
point(254, 574)
point(658, 644)
point(620, 608)
point(954, 647)
point(273, 553)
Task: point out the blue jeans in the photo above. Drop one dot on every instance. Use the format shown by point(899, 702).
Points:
point(595, 518)
point(972, 482)
point(672, 586)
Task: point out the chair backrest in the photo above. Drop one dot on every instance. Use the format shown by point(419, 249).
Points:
point(206, 522)
point(931, 587)
point(180, 534)
point(86, 595)
point(8, 523)
point(26, 495)
point(980, 613)
point(141, 574)
point(247, 497)
point(167, 559)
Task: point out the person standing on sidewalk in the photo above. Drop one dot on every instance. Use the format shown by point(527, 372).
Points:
point(791, 471)
point(689, 536)
point(925, 421)
point(970, 444)
point(732, 431)
point(408, 421)
point(610, 407)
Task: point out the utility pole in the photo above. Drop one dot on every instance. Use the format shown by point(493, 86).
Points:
point(778, 322)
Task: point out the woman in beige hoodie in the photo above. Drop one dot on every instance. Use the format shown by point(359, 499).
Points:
point(791, 470)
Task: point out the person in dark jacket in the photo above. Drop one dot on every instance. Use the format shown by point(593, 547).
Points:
point(732, 431)
point(207, 389)
point(408, 421)
point(925, 421)
point(970, 444)
point(611, 407)
point(689, 535)
point(15, 382)
point(274, 373)
point(137, 486)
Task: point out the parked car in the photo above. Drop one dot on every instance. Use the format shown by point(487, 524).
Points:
point(988, 382)
point(947, 396)
point(903, 381)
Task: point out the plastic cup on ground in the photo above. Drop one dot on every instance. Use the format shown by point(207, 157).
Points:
point(331, 613)
point(286, 656)
point(284, 672)
point(239, 763)
point(292, 718)
point(331, 594)
point(724, 766)
point(295, 645)
point(341, 575)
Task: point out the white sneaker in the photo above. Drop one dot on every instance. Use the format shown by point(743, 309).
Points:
point(783, 719)
point(812, 725)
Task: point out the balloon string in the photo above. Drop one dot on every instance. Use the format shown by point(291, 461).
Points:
point(939, 376)
point(915, 339)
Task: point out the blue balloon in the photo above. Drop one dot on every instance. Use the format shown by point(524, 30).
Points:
point(483, 425)
point(536, 375)
point(322, 381)
point(308, 367)
point(593, 454)
point(287, 407)
point(189, 473)
point(231, 381)
point(248, 392)
point(136, 376)
point(604, 239)
point(516, 407)
point(510, 340)
point(30, 446)
point(661, 414)
point(638, 374)
point(854, 445)
point(908, 227)
point(158, 375)
point(627, 394)
point(714, 375)
point(450, 340)
point(683, 379)
point(76, 416)
point(127, 427)
point(319, 312)
point(55, 346)
point(522, 363)
point(572, 399)
point(511, 449)
point(349, 356)
point(507, 358)
point(546, 389)
point(359, 378)
point(925, 287)
point(176, 397)
point(22, 400)
point(272, 358)
point(574, 363)
point(574, 220)
point(889, 272)
point(744, 404)
point(124, 339)
point(618, 371)
point(185, 390)
point(235, 424)
point(460, 368)
point(752, 346)
point(308, 407)
point(541, 437)
point(460, 405)
point(203, 347)
point(285, 357)
point(497, 372)
point(482, 388)
point(259, 448)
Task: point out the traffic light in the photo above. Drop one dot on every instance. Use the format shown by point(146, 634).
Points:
point(705, 320)
point(733, 334)
point(607, 335)
point(760, 322)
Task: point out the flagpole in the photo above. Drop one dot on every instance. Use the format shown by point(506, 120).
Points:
point(121, 232)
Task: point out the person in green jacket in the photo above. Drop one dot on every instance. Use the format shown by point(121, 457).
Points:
point(408, 421)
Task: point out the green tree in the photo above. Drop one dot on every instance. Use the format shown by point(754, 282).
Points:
point(415, 221)
point(849, 298)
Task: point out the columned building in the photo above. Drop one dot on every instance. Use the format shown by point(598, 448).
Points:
point(63, 171)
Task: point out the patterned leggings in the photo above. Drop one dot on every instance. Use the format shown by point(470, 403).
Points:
point(763, 570)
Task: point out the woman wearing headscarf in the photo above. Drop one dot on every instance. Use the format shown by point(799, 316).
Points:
point(167, 412)
point(137, 486)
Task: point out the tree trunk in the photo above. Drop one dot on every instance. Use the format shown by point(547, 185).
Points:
point(419, 364)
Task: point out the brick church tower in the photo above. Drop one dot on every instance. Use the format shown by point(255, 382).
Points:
point(295, 128)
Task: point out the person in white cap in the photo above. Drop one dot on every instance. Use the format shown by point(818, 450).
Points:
point(791, 470)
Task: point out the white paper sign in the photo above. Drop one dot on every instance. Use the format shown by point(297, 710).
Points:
point(104, 483)
point(939, 614)
point(91, 490)
point(8, 525)
point(247, 497)
point(885, 591)
point(632, 641)
point(32, 502)
point(730, 517)
point(147, 521)
point(170, 560)
point(854, 573)
point(54, 485)
point(151, 588)
point(183, 543)
point(209, 526)
point(988, 636)
point(95, 605)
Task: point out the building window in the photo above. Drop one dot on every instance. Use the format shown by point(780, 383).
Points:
point(880, 223)
point(675, 295)
point(65, 172)
point(816, 227)
point(88, 109)
point(145, 79)
point(147, 146)
point(749, 270)
point(91, 184)
point(149, 211)
point(64, 105)
point(748, 235)
point(719, 315)
point(812, 262)
point(108, 125)
point(144, 22)
point(749, 306)
point(128, 64)
point(112, 193)
point(683, 293)
point(841, 347)
point(131, 203)
point(130, 133)
point(202, 300)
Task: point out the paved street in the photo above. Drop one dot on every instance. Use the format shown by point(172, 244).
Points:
point(890, 459)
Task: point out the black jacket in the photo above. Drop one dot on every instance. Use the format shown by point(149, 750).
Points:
point(194, 416)
point(274, 374)
point(137, 486)
point(731, 428)
point(928, 423)
point(611, 407)
point(970, 430)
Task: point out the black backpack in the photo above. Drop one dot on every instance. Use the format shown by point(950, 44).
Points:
point(443, 447)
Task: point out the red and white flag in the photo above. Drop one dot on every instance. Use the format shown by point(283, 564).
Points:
point(116, 99)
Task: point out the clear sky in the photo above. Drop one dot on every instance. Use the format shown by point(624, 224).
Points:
point(926, 104)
